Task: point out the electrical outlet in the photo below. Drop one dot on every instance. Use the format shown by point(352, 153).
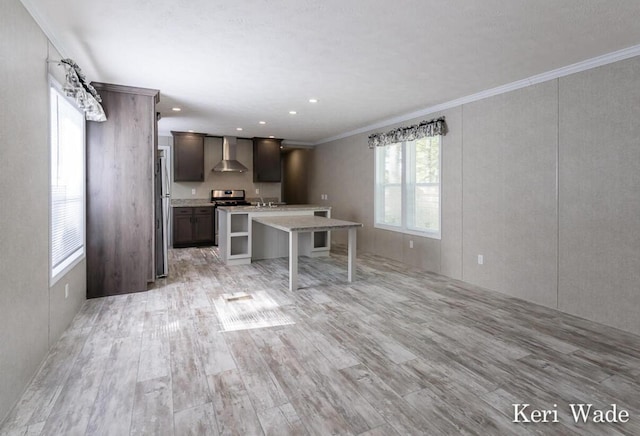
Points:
point(480, 259)
point(193, 192)
point(410, 243)
point(257, 190)
point(66, 291)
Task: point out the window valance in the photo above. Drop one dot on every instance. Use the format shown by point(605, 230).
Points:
point(85, 95)
point(425, 128)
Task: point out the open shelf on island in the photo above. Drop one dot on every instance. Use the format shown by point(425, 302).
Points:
point(239, 222)
point(239, 245)
point(320, 240)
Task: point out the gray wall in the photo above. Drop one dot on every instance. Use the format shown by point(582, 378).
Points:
point(32, 316)
point(213, 155)
point(509, 190)
point(599, 183)
point(295, 175)
point(542, 181)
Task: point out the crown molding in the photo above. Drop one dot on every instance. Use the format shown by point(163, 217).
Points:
point(44, 26)
point(294, 143)
point(588, 64)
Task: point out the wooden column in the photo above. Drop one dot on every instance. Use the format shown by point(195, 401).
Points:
point(121, 156)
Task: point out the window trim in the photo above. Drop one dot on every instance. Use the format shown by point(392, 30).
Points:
point(57, 273)
point(403, 228)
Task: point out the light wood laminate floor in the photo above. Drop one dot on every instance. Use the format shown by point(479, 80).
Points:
point(398, 351)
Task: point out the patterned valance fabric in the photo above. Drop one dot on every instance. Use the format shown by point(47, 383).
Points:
point(85, 95)
point(425, 128)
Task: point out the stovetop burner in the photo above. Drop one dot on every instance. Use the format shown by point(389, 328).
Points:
point(229, 197)
point(231, 203)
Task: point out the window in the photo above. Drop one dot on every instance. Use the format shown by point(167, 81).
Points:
point(407, 191)
point(67, 183)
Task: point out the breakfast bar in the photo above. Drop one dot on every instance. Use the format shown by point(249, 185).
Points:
point(305, 224)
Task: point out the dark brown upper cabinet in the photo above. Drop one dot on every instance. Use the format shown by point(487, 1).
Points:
point(267, 166)
point(188, 157)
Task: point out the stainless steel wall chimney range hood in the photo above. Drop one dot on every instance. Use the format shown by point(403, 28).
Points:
point(229, 162)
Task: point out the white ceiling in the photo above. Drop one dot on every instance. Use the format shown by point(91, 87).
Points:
point(230, 64)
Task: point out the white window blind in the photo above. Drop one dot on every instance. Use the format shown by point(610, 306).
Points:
point(389, 185)
point(407, 190)
point(423, 184)
point(67, 183)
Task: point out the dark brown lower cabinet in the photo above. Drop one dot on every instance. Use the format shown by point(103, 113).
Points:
point(193, 226)
point(203, 231)
point(182, 226)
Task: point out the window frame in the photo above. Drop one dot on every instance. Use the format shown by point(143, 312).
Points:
point(59, 271)
point(404, 219)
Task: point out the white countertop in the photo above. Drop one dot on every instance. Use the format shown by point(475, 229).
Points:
point(191, 202)
point(305, 223)
point(281, 208)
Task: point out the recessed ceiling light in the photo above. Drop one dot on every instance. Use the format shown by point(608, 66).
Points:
point(292, 112)
point(262, 122)
point(238, 128)
point(176, 109)
point(271, 136)
point(190, 131)
point(313, 100)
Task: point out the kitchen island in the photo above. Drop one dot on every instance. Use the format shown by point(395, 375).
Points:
point(240, 239)
point(249, 233)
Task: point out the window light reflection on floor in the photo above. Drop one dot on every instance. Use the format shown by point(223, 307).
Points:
point(249, 311)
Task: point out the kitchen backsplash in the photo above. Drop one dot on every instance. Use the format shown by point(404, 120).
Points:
point(213, 155)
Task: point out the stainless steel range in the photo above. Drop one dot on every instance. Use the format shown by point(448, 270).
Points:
point(227, 197)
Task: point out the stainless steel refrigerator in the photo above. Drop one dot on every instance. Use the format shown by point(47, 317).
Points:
point(163, 198)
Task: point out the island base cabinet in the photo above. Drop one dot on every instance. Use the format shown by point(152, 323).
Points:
point(234, 237)
point(267, 243)
point(241, 239)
